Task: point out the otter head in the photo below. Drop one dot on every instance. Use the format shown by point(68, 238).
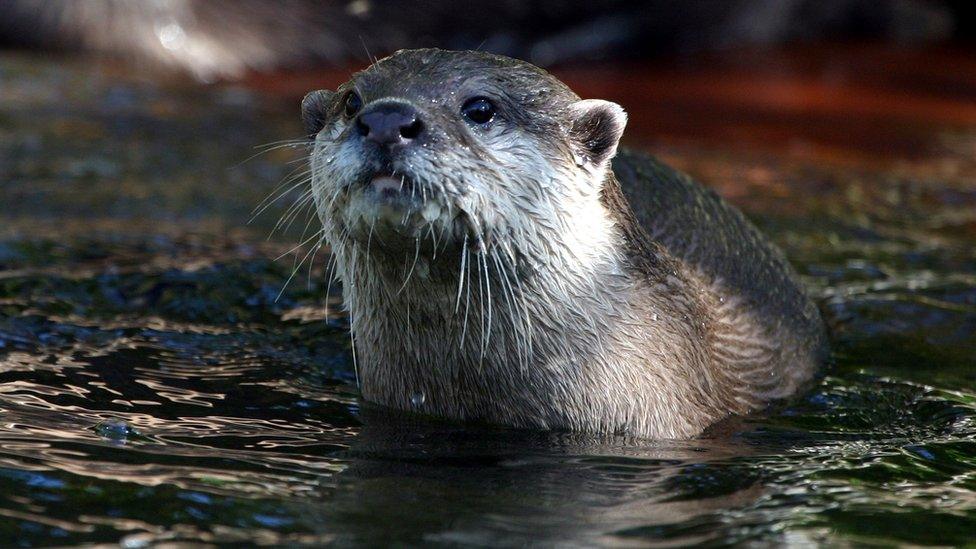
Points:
point(428, 151)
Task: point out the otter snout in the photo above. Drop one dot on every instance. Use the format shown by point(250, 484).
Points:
point(390, 123)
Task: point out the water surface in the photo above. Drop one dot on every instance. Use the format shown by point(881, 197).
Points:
point(156, 383)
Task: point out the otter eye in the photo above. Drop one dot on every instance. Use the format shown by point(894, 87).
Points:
point(352, 104)
point(478, 110)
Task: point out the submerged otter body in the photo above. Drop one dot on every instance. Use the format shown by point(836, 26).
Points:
point(500, 265)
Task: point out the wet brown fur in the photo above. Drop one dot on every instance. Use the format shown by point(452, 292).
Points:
point(609, 298)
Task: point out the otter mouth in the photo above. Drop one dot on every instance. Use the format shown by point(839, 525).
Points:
point(390, 187)
point(387, 209)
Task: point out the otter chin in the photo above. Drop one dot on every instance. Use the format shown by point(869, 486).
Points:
point(503, 262)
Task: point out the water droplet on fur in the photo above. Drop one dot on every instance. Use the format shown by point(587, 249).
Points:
point(654, 318)
point(417, 399)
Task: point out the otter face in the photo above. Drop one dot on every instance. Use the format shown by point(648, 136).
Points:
point(429, 150)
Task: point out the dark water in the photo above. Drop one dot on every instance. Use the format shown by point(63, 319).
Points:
point(154, 388)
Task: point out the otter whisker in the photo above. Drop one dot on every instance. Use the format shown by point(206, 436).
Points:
point(433, 236)
point(352, 338)
point(481, 305)
point(283, 144)
point(291, 175)
point(464, 257)
point(520, 324)
point(523, 298)
point(303, 200)
point(445, 228)
point(311, 263)
point(294, 161)
point(416, 256)
point(369, 239)
point(372, 60)
point(293, 141)
point(302, 178)
point(307, 204)
point(341, 239)
point(299, 245)
point(467, 302)
point(299, 266)
point(407, 315)
point(289, 178)
point(275, 145)
point(513, 312)
point(308, 222)
point(335, 196)
point(483, 260)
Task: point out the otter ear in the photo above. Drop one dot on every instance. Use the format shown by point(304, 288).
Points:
point(315, 107)
point(596, 129)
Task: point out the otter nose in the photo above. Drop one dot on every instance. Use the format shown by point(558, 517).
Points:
point(390, 123)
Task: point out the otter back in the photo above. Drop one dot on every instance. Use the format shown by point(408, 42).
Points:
point(728, 253)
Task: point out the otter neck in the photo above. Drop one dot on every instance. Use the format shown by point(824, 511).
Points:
point(499, 334)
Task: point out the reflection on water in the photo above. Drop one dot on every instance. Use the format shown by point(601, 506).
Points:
point(153, 389)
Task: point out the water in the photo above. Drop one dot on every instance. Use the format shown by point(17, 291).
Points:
point(152, 388)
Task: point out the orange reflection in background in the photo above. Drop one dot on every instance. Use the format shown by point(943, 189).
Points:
point(841, 104)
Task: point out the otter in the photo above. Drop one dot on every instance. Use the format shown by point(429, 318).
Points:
point(502, 263)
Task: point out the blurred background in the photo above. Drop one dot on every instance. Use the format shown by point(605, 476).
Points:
point(225, 38)
point(174, 365)
point(877, 85)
